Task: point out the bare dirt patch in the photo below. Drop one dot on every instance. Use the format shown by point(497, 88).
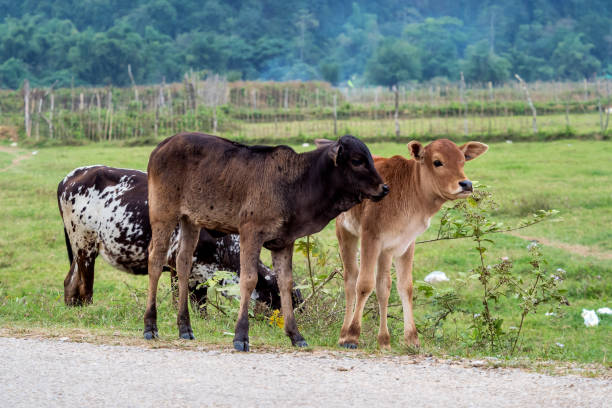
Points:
point(573, 248)
point(18, 156)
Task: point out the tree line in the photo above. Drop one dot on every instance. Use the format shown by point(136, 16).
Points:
point(384, 42)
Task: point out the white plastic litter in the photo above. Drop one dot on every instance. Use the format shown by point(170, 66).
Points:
point(509, 141)
point(604, 310)
point(35, 152)
point(305, 144)
point(14, 144)
point(590, 318)
point(436, 277)
point(550, 314)
point(560, 345)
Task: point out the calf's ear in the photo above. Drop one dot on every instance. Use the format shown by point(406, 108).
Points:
point(472, 150)
point(416, 150)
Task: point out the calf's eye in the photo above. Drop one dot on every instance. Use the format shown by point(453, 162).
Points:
point(437, 163)
point(356, 162)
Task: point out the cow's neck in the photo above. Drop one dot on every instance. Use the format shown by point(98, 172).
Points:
point(320, 198)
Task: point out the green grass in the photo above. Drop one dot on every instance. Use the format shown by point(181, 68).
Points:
point(571, 176)
point(5, 159)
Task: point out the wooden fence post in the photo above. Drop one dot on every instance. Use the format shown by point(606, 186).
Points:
point(464, 103)
point(26, 102)
point(396, 116)
point(533, 109)
point(335, 114)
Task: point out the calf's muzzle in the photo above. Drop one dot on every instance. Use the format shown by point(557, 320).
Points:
point(466, 185)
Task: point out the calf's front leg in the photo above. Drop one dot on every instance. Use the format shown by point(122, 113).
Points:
point(370, 250)
point(282, 262)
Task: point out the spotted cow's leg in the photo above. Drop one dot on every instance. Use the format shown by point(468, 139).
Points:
point(78, 284)
point(198, 295)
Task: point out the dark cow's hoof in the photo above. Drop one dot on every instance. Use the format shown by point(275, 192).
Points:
point(301, 343)
point(187, 335)
point(349, 345)
point(150, 334)
point(241, 345)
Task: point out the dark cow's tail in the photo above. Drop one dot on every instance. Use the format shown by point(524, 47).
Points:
point(68, 246)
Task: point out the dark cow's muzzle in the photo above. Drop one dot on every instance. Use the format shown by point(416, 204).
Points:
point(384, 191)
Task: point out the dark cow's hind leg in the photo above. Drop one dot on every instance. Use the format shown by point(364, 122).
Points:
point(158, 251)
point(250, 248)
point(282, 260)
point(189, 239)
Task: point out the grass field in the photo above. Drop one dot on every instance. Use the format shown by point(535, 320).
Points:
point(571, 176)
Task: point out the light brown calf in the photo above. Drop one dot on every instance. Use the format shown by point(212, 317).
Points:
point(388, 229)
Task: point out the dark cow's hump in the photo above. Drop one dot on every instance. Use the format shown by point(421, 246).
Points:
point(197, 142)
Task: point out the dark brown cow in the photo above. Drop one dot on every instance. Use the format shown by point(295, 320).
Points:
point(105, 212)
point(269, 195)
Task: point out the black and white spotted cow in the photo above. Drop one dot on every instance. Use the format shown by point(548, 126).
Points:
point(105, 212)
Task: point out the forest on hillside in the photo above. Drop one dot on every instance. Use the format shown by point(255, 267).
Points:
point(383, 42)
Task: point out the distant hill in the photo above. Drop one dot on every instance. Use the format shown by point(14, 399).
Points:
point(91, 42)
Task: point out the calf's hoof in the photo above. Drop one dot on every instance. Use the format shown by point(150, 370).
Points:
point(241, 345)
point(300, 343)
point(150, 334)
point(349, 345)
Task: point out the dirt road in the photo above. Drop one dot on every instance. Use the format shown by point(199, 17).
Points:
point(50, 373)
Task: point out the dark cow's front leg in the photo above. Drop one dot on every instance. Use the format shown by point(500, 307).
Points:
point(250, 248)
point(189, 240)
point(282, 262)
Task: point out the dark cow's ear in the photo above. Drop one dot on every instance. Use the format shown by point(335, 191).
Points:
point(472, 150)
point(416, 150)
point(335, 152)
point(322, 142)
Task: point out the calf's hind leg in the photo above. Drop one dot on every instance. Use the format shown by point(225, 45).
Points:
point(383, 289)
point(189, 239)
point(158, 253)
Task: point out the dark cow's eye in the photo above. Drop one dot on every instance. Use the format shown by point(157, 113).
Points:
point(437, 163)
point(356, 162)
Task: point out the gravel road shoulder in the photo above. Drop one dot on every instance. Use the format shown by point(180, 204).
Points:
point(51, 373)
